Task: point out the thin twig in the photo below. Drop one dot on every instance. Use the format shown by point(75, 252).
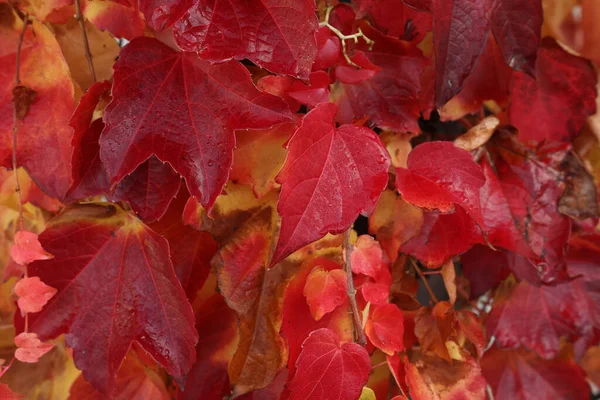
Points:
point(86, 44)
point(16, 123)
point(343, 38)
point(358, 329)
point(424, 279)
point(15, 135)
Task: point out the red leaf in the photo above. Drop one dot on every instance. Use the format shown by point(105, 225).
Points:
point(325, 291)
point(520, 208)
point(391, 97)
point(537, 317)
point(395, 18)
point(298, 321)
point(162, 14)
point(27, 248)
point(519, 374)
point(30, 348)
point(367, 257)
point(385, 328)
point(443, 236)
point(7, 394)
point(489, 80)
point(115, 284)
point(278, 36)
point(193, 134)
point(329, 177)
point(191, 250)
point(517, 27)
point(329, 370)
point(33, 294)
point(208, 378)
point(440, 175)
point(44, 136)
point(149, 189)
point(328, 49)
point(459, 33)
point(485, 268)
point(555, 104)
point(89, 175)
point(295, 92)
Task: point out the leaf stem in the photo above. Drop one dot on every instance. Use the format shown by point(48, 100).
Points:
point(343, 38)
point(424, 279)
point(351, 291)
point(16, 123)
point(88, 53)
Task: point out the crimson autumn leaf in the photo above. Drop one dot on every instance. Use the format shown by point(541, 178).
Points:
point(516, 25)
point(149, 189)
point(298, 321)
point(273, 34)
point(7, 394)
point(190, 249)
point(193, 134)
point(320, 366)
point(443, 236)
point(385, 328)
point(217, 325)
point(440, 175)
point(395, 18)
point(88, 173)
point(538, 316)
point(44, 136)
point(519, 374)
point(520, 198)
point(390, 98)
point(489, 80)
point(330, 176)
point(115, 284)
point(459, 34)
point(555, 104)
point(296, 92)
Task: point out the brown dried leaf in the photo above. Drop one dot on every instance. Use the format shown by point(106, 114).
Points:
point(580, 198)
point(23, 97)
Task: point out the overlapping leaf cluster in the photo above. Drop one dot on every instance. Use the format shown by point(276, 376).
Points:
point(199, 173)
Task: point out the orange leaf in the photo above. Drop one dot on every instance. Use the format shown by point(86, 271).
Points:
point(27, 248)
point(258, 157)
point(431, 378)
point(30, 348)
point(325, 291)
point(44, 145)
point(434, 326)
point(33, 294)
point(134, 382)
